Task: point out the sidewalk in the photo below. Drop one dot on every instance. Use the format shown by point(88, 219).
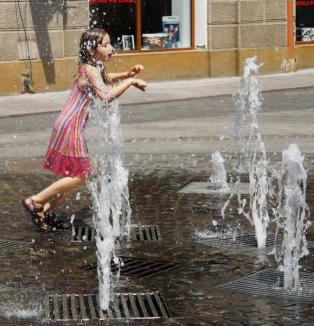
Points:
point(25, 104)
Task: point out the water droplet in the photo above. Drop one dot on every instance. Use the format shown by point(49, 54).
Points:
point(72, 219)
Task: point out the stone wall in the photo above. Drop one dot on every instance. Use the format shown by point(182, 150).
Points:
point(48, 32)
point(41, 29)
point(34, 36)
point(247, 24)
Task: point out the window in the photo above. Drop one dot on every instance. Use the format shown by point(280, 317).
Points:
point(305, 21)
point(144, 24)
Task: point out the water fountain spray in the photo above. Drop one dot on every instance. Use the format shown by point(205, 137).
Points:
point(109, 191)
point(291, 215)
point(247, 104)
point(218, 179)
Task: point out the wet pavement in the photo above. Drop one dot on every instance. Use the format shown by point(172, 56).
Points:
point(50, 263)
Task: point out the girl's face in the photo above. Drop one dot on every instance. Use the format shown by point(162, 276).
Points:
point(104, 50)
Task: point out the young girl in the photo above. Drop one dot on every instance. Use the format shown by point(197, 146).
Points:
point(67, 153)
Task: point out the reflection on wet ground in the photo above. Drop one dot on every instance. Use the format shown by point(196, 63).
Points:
point(49, 263)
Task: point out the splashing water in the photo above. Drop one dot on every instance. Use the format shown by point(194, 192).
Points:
point(291, 215)
point(109, 190)
point(19, 308)
point(218, 180)
point(21, 313)
point(247, 104)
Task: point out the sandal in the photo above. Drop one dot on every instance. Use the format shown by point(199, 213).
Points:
point(32, 210)
point(55, 222)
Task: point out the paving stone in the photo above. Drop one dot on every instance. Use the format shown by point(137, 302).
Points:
point(54, 263)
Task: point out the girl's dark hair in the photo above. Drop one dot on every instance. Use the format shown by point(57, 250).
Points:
point(89, 42)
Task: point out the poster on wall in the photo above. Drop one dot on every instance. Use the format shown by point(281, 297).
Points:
point(128, 42)
point(154, 41)
point(171, 27)
point(305, 21)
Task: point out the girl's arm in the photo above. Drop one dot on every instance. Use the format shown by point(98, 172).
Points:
point(106, 92)
point(126, 74)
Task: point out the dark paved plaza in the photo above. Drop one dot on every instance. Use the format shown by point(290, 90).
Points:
point(183, 270)
point(51, 264)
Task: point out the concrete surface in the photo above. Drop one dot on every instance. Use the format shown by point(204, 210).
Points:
point(14, 105)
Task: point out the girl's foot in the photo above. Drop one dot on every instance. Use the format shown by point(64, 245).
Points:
point(36, 213)
point(55, 222)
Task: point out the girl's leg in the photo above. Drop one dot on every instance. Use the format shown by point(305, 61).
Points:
point(60, 187)
point(57, 200)
point(57, 192)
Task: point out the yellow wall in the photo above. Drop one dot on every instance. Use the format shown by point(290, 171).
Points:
point(10, 75)
point(305, 56)
point(230, 62)
point(158, 66)
point(166, 65)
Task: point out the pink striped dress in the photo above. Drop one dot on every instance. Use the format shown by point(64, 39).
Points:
point(67, 153)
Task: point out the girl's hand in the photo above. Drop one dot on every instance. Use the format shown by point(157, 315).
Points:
point(139, 83)
point(135, 70)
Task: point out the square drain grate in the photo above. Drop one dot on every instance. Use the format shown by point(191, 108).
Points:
point(206, 188)
point(10, 246)
point(86, 233)
point(245, 241)
point(248, 240)
point(145, 233)
point(270, 283)
point(138, 267)
point(82, 233)
point(84, 307)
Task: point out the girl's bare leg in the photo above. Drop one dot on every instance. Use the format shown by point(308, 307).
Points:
point(57, 200)
point(61, 187)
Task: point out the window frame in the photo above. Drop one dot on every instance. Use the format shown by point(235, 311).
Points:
point(138, 40)
point(300, 42)
point(304, 43)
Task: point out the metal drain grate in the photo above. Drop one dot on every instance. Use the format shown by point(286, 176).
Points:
point(270, 283)
point(138, 267)
point(145, 233)
point(85, 233)
point(9, 246)
point(84, 307)
point(206, 188)
point(82, 233)
point(246, 241)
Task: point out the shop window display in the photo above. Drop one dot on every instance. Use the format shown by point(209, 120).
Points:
point(305, 21)
point(118, 18)
point(144, 24)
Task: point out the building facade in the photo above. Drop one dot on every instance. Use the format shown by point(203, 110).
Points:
point(173, 39)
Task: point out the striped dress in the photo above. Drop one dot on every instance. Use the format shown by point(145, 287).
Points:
point(67, 153)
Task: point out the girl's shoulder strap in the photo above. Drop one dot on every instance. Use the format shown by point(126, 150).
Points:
point(82, 73)
point(82, 69)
